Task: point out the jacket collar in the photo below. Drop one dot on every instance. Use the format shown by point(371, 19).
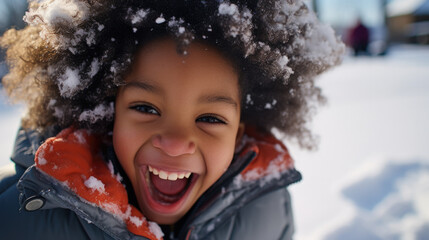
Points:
point(261, 164)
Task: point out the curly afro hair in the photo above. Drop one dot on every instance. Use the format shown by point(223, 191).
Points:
point(69, 62)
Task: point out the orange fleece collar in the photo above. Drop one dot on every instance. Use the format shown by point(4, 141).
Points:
point(272, 156)
point(72, 157)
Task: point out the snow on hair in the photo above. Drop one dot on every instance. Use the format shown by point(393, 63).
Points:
point(73, 56)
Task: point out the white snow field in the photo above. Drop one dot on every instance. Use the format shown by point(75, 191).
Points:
point(373, 156)
point(369, 178)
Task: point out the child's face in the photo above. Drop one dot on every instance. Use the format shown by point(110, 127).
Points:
point(177, 115)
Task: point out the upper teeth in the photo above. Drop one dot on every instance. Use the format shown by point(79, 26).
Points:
point(172, 176)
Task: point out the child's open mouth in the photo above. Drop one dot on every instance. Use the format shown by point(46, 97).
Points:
point(167, 190)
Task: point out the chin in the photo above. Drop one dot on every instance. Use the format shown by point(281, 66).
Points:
point(164, 219)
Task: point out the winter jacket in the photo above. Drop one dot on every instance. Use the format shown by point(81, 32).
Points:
point(56, 199)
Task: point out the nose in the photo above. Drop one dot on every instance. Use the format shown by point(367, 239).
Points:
point(173, 144)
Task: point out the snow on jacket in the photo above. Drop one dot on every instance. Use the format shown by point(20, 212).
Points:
point(75, 192)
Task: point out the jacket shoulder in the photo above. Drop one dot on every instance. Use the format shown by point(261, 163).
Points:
point(8, 176)
point(254, 203)
point(55, 223)
point(267, 217)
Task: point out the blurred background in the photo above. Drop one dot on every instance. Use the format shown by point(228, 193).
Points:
point(369, 178)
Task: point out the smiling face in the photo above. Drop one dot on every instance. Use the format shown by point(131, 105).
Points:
point(177, 119)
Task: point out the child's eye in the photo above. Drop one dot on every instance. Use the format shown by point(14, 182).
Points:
point(144, 108)
point(210, 119)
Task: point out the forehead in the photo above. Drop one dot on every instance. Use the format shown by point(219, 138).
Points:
point(165, 51)
point(202, 67)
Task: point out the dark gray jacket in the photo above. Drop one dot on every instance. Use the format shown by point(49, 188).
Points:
point(35, 206)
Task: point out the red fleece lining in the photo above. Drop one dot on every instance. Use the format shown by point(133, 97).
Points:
point(71, 157)
point(269, 150)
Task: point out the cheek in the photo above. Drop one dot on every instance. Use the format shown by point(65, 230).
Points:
point(125, 137)
point(219, 158)
point(123, 145)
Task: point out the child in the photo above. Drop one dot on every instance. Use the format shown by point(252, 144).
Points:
point(153, 119)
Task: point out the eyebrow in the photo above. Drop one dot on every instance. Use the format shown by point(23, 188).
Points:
point(142, 85)
point(206, 98)
point(219, 99)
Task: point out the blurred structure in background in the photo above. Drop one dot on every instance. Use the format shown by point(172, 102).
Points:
point(11, 13)
point(343, 16)
point(408, 21)
point(389, 21)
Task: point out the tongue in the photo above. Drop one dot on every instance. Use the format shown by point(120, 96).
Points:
point(168, 187)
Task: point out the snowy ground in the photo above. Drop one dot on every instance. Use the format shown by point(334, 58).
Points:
point(370, 177)
point(373, 157)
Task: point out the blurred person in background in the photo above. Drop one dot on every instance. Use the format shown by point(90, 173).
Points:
point(358, 38)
